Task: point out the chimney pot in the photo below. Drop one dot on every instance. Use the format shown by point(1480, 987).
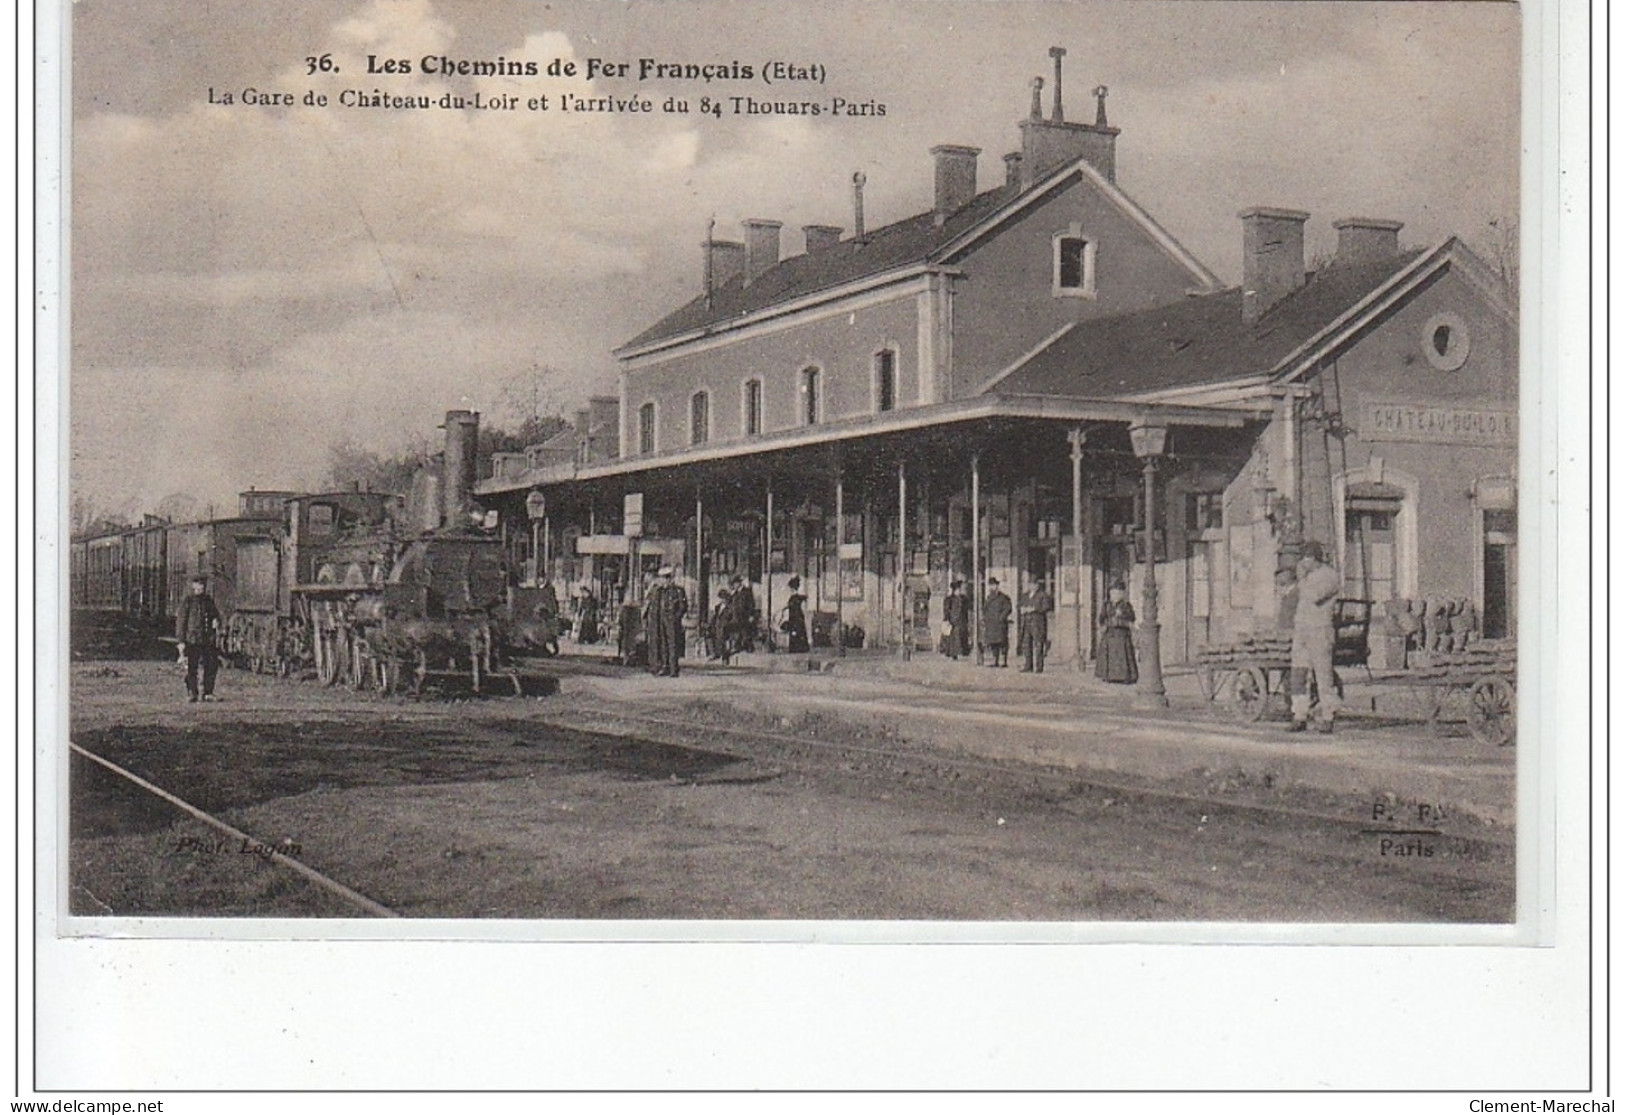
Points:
point(1366, 239)
point(1271, 257)
point(956, 178)
point(761, 247)
point(858, 181)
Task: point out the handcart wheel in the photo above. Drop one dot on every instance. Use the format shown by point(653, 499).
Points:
point(1492, 712)
point(1249, 694)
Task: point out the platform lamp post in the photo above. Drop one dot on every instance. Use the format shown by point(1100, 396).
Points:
point(1150, 442)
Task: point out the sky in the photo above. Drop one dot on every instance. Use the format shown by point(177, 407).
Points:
point(251, 285)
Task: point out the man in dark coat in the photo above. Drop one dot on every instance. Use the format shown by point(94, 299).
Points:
point(743, 616)
point(197, 626)
point(663, 620)
point(956, 615)
point(996, 624)
point(1036, 605)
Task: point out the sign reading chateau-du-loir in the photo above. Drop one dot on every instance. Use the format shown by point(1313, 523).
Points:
point(1458, 425)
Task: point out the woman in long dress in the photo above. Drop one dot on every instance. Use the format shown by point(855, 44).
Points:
point(1115, 662)
point(795, 619)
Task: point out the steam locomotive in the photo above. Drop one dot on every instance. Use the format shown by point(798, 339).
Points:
point(373, 590)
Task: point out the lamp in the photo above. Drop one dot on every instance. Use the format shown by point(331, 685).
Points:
point(1150, 441)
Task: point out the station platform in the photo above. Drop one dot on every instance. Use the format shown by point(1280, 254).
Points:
point(1383, 750)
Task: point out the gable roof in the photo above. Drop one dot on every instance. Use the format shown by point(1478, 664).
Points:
point(1204, 340)
point(914, 242)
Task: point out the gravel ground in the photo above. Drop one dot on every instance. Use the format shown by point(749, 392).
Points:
point(441, 808)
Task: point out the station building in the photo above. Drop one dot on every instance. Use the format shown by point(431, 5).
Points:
point(1015, 382)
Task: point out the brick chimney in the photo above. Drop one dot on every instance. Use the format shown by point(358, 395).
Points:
point(723, 260)
point(821, 237)
point(1012, 169)
point(956, 178)
point(1271, 257)
point(761, 247)
point(1366, 239)
point(1052, 143)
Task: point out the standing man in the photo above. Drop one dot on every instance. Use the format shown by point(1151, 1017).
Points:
point(197, 626)
point(1036, 605)
point(744, 615)
point(663, 613)
point(1312, 636)
point(996, 623)
point(956, 618)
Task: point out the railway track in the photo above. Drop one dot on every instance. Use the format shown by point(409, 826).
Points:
point(332, 886)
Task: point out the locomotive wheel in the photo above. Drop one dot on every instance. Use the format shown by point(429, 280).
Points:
point(1249, 694)
point(1492, 714)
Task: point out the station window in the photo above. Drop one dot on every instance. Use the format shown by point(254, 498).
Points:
point(885, 380)
point(646, 428)
point(1074, 265)
point(699, 418)
point(753, 407)
point(809, 396)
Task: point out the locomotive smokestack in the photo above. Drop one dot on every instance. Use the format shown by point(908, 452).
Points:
point(462, 436)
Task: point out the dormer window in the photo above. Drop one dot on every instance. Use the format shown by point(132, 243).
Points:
point(1074, 270)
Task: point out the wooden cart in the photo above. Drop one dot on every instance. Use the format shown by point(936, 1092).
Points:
point(1482, 679)
point(1250, 676)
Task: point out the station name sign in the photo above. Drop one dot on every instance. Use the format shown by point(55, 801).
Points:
point(1390, 420)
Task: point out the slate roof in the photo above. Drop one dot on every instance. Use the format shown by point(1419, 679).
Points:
point(909, 241)
point(1201, 340)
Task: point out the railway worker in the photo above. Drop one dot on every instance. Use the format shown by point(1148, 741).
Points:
point(996, 609)
point(1036, 606)
point(1312, 637)
point(197, 626)
point(663, 621)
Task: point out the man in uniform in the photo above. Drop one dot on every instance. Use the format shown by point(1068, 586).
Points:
point(1312, 636)
point(743, 615)
point(197, 624)
point(996, 624)
point(1036, 605)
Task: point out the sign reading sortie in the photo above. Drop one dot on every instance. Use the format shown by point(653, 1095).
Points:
point(1456, 425)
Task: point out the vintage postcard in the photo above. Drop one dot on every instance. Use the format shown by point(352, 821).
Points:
point(869, 472)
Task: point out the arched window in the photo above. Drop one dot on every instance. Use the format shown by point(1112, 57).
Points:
point(1074, 264)
point(646, 428)
point(886, 379)
point(810, 401)
point(753, 407)
point(699, 418)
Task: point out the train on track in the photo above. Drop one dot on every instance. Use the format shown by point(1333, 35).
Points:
point(368, 589)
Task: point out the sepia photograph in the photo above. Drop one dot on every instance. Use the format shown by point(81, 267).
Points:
point(896, 470)
point(519, 473)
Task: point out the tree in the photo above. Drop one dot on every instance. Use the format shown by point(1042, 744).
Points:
point(354, 466)
point(89, 518)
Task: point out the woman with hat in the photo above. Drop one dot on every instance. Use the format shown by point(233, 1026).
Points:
point(1115, 662)
point(794, 624)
